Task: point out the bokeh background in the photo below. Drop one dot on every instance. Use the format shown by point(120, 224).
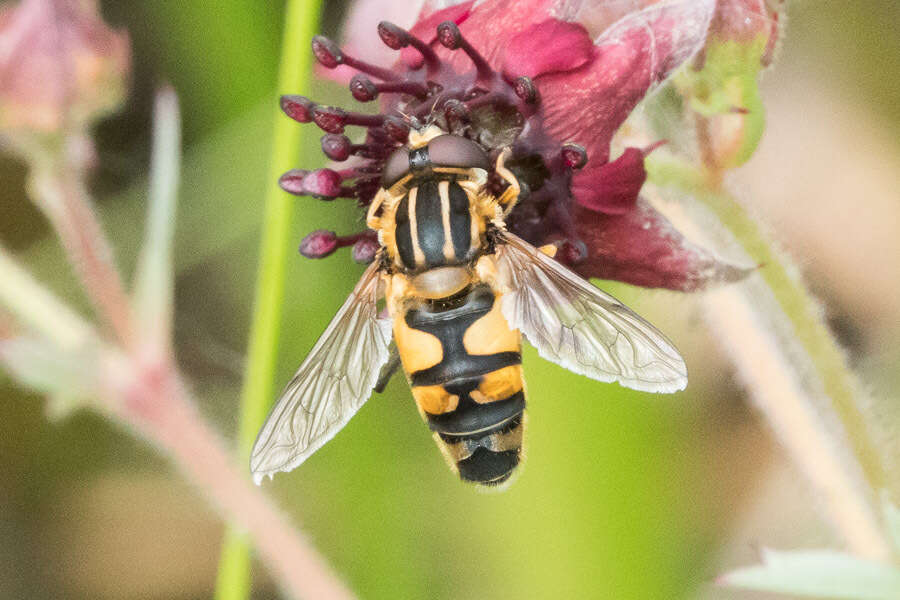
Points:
point(623, 495)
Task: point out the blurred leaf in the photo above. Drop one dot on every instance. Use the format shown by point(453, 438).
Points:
point(36, 307)
point(722, 87)
point(820, 574)
point(220, 56)
point(68, 378)
point(892, 520)
point(725, 91)
point(154, 278)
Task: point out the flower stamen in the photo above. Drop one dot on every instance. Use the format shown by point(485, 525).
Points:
point(365, 90)
point(449, 35)
point(321, 243)
point(332, 119)
point(330, 55)
point(397, 38)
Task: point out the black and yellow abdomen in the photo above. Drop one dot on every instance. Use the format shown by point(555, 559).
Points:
point(464, 366)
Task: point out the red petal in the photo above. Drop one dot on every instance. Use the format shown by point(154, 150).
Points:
point(611, 188)
point(588, 105)
point(642, 248)
point(492, 24)
point(547, 47)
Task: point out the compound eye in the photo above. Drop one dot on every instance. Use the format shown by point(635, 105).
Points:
point(455, 151)
point(396, 167)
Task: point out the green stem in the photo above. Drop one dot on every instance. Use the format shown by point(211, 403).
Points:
point(798, 305)
point(301, 22)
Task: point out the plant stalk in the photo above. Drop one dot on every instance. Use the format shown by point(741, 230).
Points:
point(57, 183)
point(301, 22)
point(816, 448)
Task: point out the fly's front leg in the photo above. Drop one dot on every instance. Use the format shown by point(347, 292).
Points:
point(372, 220)
point(510, 195)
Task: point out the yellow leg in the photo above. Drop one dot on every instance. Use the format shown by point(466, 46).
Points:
point(372, 221)
point(511, 194)
point(382, 198)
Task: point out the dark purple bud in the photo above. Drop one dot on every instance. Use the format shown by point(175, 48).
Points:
point(526, 90)
point(456, 110)
point(574, 156)
point(571, 252)
point(330, 118)
point(323, 183)
point(319, 244)
point(448, 35)
point(327, 52)
point(336, 147)
point(393, 37)
point(292, 181)
point(363, 89)
point(364, 250)
point(299, 108)
point(397, 129)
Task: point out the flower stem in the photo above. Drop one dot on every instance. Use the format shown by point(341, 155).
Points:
point(812, 332)
point(301, 21)
point(790, 408)
point(57, 183)
point(152, 398)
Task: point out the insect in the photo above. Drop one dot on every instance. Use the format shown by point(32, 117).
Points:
point(459, 292)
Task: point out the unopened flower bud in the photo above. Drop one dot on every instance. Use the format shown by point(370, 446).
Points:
point(299, 108)
point(292, 181)
point(323, 183)
point(61, 67)
point(327, 52)
point(319, 244)
point(364, 250)
point(336, 147)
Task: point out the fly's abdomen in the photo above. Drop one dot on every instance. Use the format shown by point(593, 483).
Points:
point(464, 366)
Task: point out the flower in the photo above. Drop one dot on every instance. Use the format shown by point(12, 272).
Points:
point(61, 67)
point(551, 79)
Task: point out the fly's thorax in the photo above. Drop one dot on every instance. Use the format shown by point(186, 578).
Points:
point(435, 223)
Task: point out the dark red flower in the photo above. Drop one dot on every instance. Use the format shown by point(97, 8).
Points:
point(552, 79)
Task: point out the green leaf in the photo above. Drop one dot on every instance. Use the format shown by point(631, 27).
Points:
point(819, 574)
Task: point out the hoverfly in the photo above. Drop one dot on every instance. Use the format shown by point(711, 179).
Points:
point(460, 291)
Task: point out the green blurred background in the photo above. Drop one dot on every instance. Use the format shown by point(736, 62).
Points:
point(623, 495)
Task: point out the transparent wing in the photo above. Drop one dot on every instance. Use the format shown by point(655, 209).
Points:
point(576, 325)
point(330, 386)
